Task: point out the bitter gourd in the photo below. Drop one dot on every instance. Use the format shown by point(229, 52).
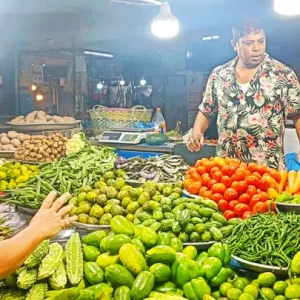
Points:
point(37, 255)
point(58, 280)
point(74, 259)
point(37, 292)
point(51, 262)
point(13, 295)
point(27, 278)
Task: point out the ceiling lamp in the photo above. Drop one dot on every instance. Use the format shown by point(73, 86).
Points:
point(33, 87)
point(122, 82)
point(100, 85)
point(39, 97)
point(143, 81)
point(165, 25)
point(287, 7)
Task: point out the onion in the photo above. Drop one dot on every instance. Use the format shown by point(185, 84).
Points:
point(121, 160)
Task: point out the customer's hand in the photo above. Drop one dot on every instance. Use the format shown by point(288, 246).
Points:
point(53, 216)
point(195, 142)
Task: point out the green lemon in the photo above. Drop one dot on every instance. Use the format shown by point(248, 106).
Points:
point(246, 296)
point(279, 297)
point(252, 290)
point(240, 283)
point(288, 281)
point(266, 279)
point(268, 293)
point(279, 287)
point(216, 295)
point(292, 291)
point(224, 287)
point(234, 294)
point(255, 282)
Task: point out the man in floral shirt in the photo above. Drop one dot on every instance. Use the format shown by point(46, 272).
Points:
point(253, 95)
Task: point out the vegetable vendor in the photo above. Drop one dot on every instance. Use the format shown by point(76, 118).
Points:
point(49, 220)
point(252, 95)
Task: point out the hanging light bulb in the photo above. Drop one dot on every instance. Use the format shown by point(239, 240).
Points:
point(100, 85)
point(33, 87)
point(122, 81)
point(39, 97)
point(165, 25)
point(287, 7)
point(143, 81)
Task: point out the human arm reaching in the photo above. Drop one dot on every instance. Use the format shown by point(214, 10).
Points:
point(48, 222)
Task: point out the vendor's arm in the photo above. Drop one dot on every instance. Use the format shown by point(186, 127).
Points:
point(207, 109)
point(49, 220)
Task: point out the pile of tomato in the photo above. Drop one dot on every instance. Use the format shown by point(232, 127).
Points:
point(240, 189)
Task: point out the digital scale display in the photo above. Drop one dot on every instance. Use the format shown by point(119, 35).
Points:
point(129, 137)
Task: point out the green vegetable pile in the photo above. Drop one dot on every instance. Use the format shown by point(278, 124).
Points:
point(132, 262)
point(191, 220)
point(266, 238)
point(68, 175)
point(288, 198)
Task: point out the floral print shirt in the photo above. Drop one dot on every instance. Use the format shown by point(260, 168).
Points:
point(251, 125)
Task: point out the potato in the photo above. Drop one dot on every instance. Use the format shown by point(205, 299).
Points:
point(15, 142)
point(48, 117)
point(12, 134)
point(51, 122)
point(21, 137)
point(4, 148)
point(5, 141)
point(11, 147)
point(3, 135)
point(39, 121)
point(69, 119)
point(58, 119)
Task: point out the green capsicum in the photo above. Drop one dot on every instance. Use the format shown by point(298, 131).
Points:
point(201, 258)
point(227, 257)
point(294, 269)
point(217, 250)
point(196, 289)
point(210, 268)
point(166, 287)
point(220, 278)
point(164, 238)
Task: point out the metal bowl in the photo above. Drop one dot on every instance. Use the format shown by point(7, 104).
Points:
point(286, 207)
point(30, 211)
point(200, 246)
point(260, 268)
point(35, 127)
point(90, 227)
point(185, 192)
point(7, 154)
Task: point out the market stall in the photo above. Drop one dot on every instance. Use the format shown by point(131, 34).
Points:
point(153, 227)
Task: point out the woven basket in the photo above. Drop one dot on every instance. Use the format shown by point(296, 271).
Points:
point(104, 118)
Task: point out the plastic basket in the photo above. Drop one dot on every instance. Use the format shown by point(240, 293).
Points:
point(104, 118)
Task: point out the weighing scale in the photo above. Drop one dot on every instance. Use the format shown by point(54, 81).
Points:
point(131, 136)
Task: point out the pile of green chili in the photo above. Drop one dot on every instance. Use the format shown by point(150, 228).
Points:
point(68, 175)
point(267, 239)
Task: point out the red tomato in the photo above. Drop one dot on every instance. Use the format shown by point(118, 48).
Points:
point(194, 188)
point(245, 198)
point(240, 209)
point(205, 180)
point(192, 170)
point(223, 205)
point(202, 191)
point(234, 178)
point(260, 207)
point(226, 180)
point(214, 170)
point(276, 175)
point(203, 161)
point(247, 214)
point(209, 165)
point(224, 170)
point(248, 173)
point(216, 197)
point(217, 176)
point(262, 170)
point(252, 167)
point(232, 169)
point(264, 197)
point(207, 194)
point(252, 180)
point(196, 177)
point(201, 170)
point(263, 184)
point(232, 204)
point(240, 174)
point(218, 188)
point(255, 199)
point(251, 190)
point(211, 183)
point(257, 175)
point(230, 194)
point(228, 214)
point(198, 163)
point(235, 185)
point(241, 187)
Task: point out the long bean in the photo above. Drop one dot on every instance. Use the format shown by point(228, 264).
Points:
point(267, 239)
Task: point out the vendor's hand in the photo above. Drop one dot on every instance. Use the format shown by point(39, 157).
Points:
point(53, 216)
point(195, 142)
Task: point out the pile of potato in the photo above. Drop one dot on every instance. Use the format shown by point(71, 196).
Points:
point(12, 140)
point(40, 117)
point(40, 148)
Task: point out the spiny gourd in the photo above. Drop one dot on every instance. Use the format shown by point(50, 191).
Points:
point(27, 278)
point(37, 255)
point(58, 280)
point(51, 262)
point(37, 292)
point(12, 295)
point(74, 259)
